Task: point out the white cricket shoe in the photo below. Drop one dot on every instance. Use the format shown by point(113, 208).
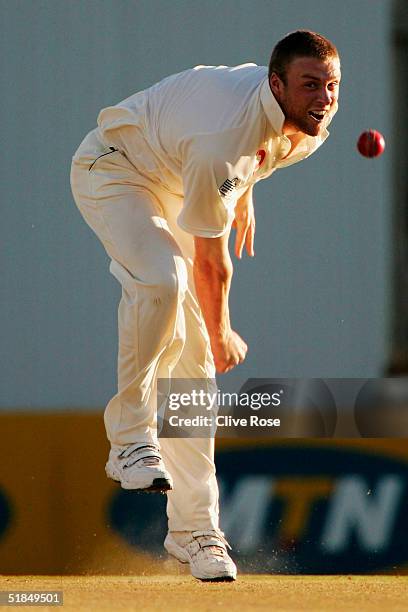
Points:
point(139, 467)
point(205, 551)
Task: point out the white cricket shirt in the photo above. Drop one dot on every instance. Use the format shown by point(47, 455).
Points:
point(206, 135)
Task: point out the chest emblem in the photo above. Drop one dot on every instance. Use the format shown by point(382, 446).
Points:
point(228, 187)
point(260, 157)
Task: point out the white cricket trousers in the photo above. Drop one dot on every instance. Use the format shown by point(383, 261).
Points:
point(161, 329)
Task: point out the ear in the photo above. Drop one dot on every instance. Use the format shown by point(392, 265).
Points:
point(276, 84)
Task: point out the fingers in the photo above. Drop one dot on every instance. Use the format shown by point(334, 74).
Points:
point(245, 236)
point(249, 239)
point(240, 239)
point(229, 353)
point(242, 353)
point(225, 365)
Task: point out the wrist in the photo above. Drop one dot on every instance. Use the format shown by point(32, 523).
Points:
point(219, 336)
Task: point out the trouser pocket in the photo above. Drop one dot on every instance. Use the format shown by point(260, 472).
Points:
point(111, 150)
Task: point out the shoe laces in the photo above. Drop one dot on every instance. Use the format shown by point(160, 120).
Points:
point(146, 460)
point(149, 461)
point(207, 547)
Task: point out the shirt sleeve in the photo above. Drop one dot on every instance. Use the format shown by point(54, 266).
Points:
point(210, 191)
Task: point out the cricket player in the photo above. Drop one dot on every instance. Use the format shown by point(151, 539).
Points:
point(161, 181)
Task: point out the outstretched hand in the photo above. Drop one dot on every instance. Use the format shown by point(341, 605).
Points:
point(244, 224)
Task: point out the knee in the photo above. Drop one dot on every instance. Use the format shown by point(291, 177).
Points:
point(166, 285)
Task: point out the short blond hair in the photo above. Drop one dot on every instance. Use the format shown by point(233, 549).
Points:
point(301, 43)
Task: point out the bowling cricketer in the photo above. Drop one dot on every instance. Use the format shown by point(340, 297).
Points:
point(161, 180)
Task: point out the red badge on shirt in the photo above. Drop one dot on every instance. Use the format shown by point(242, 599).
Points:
point(260, 157)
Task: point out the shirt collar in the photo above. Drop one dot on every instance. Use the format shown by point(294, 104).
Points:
point(271, 107)
point(276, 116)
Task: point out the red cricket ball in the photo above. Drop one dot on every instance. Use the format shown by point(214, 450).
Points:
point(371, 143)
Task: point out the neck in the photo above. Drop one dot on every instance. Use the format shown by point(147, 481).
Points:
point(291, 130)
point(294, 137)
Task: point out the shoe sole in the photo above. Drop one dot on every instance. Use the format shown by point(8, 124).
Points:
point(227, 578)
point(221, 579)
point(159, 485)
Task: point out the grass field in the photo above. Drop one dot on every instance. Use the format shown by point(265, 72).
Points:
point(250, 592)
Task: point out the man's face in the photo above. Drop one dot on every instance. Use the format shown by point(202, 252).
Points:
point(309, 96)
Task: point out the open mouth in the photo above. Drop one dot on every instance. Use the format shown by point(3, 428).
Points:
point(318, 116)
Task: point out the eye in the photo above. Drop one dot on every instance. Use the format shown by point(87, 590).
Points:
point(310, 85)
point(333, 86)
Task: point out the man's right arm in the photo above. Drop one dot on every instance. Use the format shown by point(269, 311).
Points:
point(212, 278)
